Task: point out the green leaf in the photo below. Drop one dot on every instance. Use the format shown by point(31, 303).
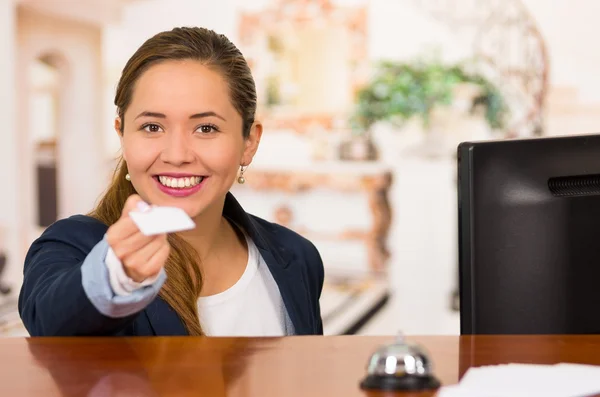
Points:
point(399, 91)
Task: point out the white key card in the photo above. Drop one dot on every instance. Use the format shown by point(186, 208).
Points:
point(159, 220)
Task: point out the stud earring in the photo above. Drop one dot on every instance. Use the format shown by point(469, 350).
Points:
point(241, 178)
point(128, 177)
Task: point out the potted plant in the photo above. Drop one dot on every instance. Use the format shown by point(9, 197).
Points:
point(399, 91)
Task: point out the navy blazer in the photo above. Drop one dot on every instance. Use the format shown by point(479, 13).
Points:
point(53, 302)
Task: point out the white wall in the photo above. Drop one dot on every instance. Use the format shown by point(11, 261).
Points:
point(571, 30)
point(401, 30)
point(75, 50)
point(10, 221)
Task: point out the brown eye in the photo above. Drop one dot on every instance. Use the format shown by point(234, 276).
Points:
point(151, 128)
point(207, 128)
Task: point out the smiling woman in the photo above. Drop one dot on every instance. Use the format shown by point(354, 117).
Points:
point(172, 132)
point(186, 104)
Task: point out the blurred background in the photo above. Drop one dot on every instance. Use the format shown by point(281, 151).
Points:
point(364, 103)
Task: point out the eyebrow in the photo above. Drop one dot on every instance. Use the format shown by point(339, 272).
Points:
point(193, 116)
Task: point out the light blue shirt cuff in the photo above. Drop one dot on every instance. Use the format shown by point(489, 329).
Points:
point(96, 284)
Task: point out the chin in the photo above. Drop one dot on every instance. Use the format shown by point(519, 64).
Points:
point(191, 209)
point(192, 212)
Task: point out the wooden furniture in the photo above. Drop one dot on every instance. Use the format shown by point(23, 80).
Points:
point(293, 366)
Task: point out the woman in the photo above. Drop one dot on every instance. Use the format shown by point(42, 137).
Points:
point(186, 102)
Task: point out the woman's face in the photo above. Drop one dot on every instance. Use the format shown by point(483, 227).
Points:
point(182, 137)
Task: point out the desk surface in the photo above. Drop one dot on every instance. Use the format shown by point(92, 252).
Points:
point(293, 366)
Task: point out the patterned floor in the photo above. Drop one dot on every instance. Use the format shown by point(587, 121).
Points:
point(10, 322)
point(348, 303)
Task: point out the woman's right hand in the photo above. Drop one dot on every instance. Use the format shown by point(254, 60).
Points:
point(142, 256)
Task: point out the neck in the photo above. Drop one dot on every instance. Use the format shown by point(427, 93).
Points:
point(211, 231)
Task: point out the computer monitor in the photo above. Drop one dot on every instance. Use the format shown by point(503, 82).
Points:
point(529, 236)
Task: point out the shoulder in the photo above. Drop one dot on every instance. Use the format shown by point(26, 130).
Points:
point(78, 232)
point(282, 235)
point(80, 227)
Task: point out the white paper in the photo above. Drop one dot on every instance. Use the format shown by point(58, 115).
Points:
point(159, 220)
point(527, 380)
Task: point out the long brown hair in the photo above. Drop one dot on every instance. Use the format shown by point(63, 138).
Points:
point(184, 280)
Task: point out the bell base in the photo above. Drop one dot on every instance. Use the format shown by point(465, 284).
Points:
point(393, 383)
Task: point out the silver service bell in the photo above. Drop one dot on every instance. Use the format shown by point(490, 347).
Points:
point(400, 366)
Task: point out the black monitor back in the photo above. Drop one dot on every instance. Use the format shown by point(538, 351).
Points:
point(529, 236)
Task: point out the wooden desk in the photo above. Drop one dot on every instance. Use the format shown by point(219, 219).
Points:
point(295, 366)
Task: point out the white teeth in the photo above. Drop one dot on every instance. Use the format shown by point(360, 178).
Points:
point(180, 182)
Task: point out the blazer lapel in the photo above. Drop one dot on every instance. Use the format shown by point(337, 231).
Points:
point(292, 288)
point(163, 319)
point(285, 270)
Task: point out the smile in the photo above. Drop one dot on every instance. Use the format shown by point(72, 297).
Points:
point(180, 183)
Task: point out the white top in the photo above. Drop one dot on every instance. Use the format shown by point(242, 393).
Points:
point(251, 307)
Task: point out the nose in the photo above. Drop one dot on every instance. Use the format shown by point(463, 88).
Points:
point(177, 149)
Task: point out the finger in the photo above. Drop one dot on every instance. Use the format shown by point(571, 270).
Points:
point(136, 243)
point(158, 260)
point(148, 263)
point(144, 251)
point(123, 229)
point(134, 203)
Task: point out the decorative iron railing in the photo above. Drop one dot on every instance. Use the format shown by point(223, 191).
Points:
point(509, 49)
